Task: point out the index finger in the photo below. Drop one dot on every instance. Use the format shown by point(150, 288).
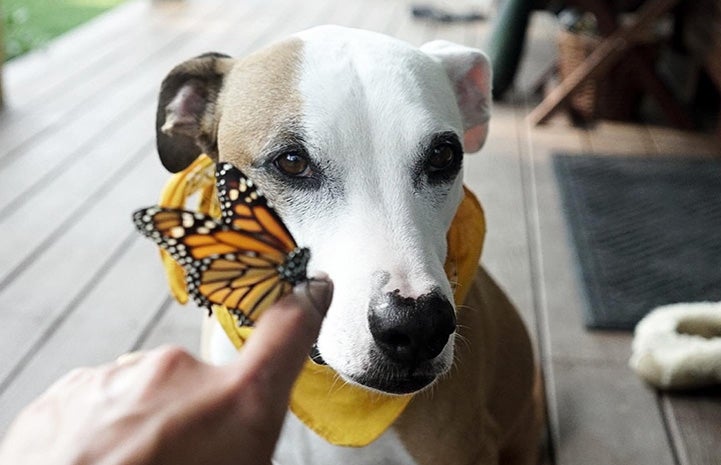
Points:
point(282, 338)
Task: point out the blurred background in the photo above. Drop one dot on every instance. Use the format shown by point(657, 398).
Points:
point(601, 181)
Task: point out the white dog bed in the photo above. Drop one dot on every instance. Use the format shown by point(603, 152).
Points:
point(679, 346)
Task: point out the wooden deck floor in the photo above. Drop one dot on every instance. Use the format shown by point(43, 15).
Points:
point(78, 286)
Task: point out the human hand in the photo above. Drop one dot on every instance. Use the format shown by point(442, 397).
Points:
point(166, 407)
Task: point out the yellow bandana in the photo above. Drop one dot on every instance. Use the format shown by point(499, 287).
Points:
point(341, 413)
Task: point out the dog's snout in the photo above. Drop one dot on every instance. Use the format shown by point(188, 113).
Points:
point(408, 330)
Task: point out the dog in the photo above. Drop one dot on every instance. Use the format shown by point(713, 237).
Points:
point(358, 140)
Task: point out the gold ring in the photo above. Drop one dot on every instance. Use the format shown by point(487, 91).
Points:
point(128, 358)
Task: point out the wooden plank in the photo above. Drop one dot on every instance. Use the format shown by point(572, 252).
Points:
point(695, 423)
point(587, 381)
point(416, 31)
point(41, 215)
point(410, 29)
point(377, 16)
point(606, 417)
point(105, 324)
point(178, 325)
point(92, 90)
point(494, 175)
point(50, 288)
point(453, 32)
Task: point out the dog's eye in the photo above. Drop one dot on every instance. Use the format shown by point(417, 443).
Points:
point(293, 164)
point(441, 157)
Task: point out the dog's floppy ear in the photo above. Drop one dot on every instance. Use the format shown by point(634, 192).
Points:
point(186, 121)
point(470, 73)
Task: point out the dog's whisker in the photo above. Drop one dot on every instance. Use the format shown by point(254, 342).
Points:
point(337, 384)
point(464, 340)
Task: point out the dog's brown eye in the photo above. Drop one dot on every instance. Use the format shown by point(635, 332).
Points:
point(441, 157)
point(293, 164)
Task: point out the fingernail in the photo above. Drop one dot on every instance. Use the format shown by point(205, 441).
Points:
point(319, 290)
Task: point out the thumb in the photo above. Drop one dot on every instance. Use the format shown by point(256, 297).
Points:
point(283, 336)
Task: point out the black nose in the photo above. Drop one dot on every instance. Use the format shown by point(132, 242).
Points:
point(410, 330)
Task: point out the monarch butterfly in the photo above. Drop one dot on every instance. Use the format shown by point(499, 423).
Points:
point(246, 261)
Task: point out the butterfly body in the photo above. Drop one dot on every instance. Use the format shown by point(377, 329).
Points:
point(246, 261)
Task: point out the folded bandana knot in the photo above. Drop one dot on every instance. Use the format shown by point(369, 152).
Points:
point(342, 413)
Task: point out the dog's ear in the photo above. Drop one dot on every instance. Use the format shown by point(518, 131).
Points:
point(469, 71)
point(186, 121)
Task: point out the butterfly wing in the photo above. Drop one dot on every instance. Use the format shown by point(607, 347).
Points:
point(245, 289)
point(246, 208)
point(223, 265)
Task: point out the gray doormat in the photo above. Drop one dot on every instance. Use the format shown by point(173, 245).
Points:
point(647, 232)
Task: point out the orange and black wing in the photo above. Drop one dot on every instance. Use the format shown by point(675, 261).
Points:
point(223, 265)
point(245, 208)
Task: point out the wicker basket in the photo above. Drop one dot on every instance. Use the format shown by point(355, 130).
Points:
point(573, 49)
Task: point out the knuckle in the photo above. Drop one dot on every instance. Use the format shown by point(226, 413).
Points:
point(172, 355)
point(166, 362)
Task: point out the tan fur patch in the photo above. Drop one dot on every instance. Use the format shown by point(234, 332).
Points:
point(259, 97)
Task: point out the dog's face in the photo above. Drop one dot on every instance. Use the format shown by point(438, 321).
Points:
point(358, 140)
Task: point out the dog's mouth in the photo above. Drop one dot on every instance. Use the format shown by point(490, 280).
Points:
point(394, 380)
point(391, 377)
point(391, 383)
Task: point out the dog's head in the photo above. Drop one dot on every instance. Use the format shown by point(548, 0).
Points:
point(358, 140)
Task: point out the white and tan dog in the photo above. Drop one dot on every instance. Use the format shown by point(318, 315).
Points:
point(358, 140)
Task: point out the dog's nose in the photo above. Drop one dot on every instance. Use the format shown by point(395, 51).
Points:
point(410, 330)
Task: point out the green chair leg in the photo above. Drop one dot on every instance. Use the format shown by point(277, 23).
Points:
point(506, 43)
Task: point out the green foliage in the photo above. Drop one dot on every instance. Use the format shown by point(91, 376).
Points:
point(29, 24)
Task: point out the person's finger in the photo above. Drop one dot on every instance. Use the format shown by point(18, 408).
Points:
point(283, 336)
